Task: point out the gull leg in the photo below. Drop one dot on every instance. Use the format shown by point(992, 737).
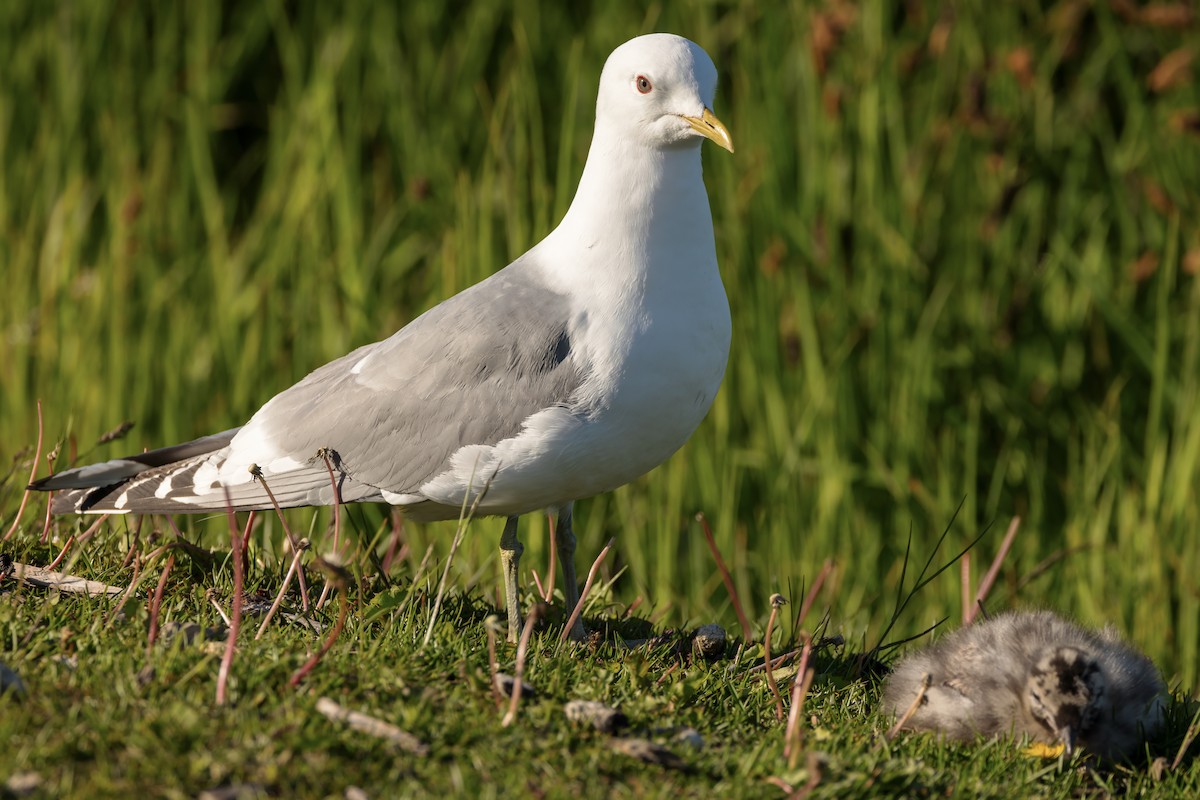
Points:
point(510, 557)
point(564, 539)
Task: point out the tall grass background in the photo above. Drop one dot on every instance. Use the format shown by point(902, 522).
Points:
point(961, 244)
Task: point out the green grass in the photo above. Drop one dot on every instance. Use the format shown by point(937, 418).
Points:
point(961, 250)
point(106, 717)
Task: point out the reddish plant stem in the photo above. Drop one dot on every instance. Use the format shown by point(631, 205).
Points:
point(83, 537)
point(156, 604)
point(287, 581)
point(396, 550)
point(337, 500)
point(257, 472)
point(587, 588)
point(792, 738)
point(344, 595)
point(985, 586)
point(777, 601)
point(37, 457)
point(725, 577)
point(964, 571)
point(235, 619)
point(522, 649)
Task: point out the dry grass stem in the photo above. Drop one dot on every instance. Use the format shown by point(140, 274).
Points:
point(210, 595)
point(577, 612)
point(341, 582)
point(83, 537)
point(287, 581)
point(994, 570)
point(492, 624)
point(156, 604)
point(518, 678)
point(137, 572)
point(397, 547)
point(337, 499)
point(792, 735)
point(964, 580)
point(37, 457)
point(235, 620)
point(912, 709)
point(777, 602)
point(726, 578)
point(464, 518)
point(1189, 737)
point(257, 472)
point(537, 581)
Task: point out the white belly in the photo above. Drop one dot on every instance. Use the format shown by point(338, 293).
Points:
point(644, 402)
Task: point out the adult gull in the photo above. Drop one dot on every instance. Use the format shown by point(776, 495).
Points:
point(577, 368)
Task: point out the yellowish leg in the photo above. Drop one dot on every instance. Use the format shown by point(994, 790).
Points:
point(510, 558)
point(564, 539)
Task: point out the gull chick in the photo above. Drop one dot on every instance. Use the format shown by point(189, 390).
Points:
point(1032, 674)
point(579, 367)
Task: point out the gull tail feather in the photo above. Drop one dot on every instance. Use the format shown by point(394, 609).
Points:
point(168, 481)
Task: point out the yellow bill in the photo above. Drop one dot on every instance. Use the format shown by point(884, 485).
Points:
point(708, 126)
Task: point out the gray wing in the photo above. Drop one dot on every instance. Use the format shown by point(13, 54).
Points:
point(389, 415)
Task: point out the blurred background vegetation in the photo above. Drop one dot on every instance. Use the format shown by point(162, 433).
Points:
point(961, 243)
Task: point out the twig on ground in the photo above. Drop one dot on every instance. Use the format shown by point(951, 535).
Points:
point(37, 457)
point(577, 612)
point(518, 681)
point(364, 723)
point(725, 577)
point(49, 579)
point(777, 602)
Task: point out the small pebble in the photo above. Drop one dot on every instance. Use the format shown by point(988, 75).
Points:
point(708, 642)
point(11, 681)
point(592, 712)
point(648, 751)
point(505, 683)
point(22, 784)
point(690, 737)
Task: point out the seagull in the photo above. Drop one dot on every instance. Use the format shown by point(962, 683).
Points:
point(576, 369)
point(1032, 674)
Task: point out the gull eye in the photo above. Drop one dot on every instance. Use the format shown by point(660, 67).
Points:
point(643, 84)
